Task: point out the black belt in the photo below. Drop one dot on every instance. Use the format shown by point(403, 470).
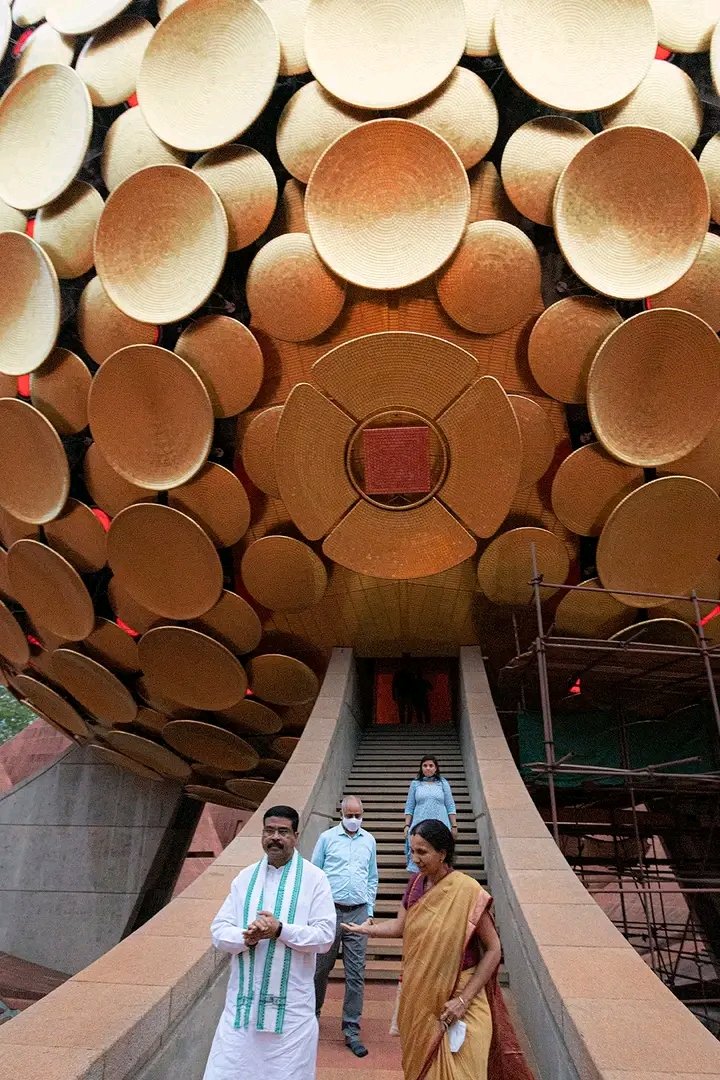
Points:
point(349, 907)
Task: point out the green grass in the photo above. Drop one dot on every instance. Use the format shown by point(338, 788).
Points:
point(14, 717)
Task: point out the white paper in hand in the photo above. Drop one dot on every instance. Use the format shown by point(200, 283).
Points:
point(456, 1035)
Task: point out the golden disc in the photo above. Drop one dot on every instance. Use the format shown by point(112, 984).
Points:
point(258, 450)
point(59, 389)
point(217, 796)
point(109, 61)
point(103, 328)
point(505, 569)
point(659, 632)
point(310, 122)
point(703, 463)
point(634, 180)
point(284, 746)
point(151, 417)
point(378, 220)
point(493, 280)
point(709, 162)
point(246, 185)
point(588, 486)
point(288, 18)
point(96, 688)
point(129, 611)
point(192, 668)
point(111, 757)
point(44, 46)
point(165, 561)
point(217, 501)
point(463, 112)
point(228, 359)
point(108, 489)
point(533, 161)
point(564, 342)
point(251, 717)
point(282, 680)
point(654, 387)
point(666, 99)
point(232, 622)
point(538, 439)
point(52, 705)
point(78, 535)
point(50, 589)
point(481, 27)
point(35, 475)
point(149, 753)
point(283, 574)
point(29, 305)
point(686, 26)
point(129, 146)
point(13, 643)
point(674, 523)
point(82, 16)
point(698, 291)
point(210, 745)
point(113, 647)
point(252, 790)
point(708, 585)
point(581, 613)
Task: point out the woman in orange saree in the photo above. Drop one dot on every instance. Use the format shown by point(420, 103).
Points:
point(451, 953)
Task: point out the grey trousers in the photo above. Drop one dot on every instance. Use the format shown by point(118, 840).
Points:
point(354, 947)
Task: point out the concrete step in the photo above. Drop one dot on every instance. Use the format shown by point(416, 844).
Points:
point(383, 970)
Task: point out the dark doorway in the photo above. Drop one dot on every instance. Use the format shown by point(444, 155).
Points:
point(415, 690)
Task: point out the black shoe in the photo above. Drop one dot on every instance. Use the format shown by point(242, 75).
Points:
point(357, 1047)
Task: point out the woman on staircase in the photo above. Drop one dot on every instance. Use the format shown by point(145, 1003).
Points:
point(452, 1017)
point(429, 796)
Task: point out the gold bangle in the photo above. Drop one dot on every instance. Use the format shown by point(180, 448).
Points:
point(462, 1002)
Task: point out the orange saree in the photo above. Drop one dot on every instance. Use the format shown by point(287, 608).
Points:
point(438, 927)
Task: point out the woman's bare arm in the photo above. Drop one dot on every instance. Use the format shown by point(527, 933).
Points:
point(386, 928)
point(455, 1008)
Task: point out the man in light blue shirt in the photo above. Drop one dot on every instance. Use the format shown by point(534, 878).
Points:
point(348, 855)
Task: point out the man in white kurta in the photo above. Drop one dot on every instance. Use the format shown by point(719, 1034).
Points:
point(279, 914)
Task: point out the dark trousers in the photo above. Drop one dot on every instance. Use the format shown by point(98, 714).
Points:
point(353, 947)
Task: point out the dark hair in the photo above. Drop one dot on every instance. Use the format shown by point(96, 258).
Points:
point(284, 812)
point(437, 835)
point(436, 763)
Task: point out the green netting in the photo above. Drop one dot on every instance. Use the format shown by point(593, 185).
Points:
point(593, 738)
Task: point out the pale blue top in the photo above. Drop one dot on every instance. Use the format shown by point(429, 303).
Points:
point(350, 863)
point(428, 799)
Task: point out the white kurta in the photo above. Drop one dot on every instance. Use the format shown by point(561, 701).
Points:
point(246, 1053)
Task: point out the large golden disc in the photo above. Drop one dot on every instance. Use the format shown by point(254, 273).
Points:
point(149, 753)
point(250, 717)
point(563, 344)
point(96, 688)
point(463, 112)
point(666, 99)
point(13, 644)
point(588, 486)
point(538, 438)
point(505, 568)
point(29, 305)
point(35, 475)
point(582, 613)
point(232, 622)
point(111, 757)
point(108, 489)
point(698, 291)
point(533, 161)
point(686, 26)
point(282, 680)
point(283, 574)
point(112, 646)
point(216, 499)
point(210, 745)
point(51, 704)
point(79, 536)
point(227, 357)
point(60, 389)
point(247, 188)
point(192, 668)
point(310, 122)
point(290, 292)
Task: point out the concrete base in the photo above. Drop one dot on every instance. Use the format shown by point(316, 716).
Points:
point(77, 842)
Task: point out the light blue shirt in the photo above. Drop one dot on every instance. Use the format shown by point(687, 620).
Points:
point(350, 863)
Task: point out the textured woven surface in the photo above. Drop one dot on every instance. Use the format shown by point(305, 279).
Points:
point(246, 185)
point(252, 791)
point(151, 754)
point(703, 462)
point(109, 490)
point(660, 632)
point(216, 796)
point(134, 615)
point(44, 46)
point(685, 27)
point(709, 162)
point(216, 499)
point(121, 761)
point(463, 112)
point(192, 668)
point(654, 387)
point(533, 160)
point(707, 584)
point(109, 61)
point(573, 55)
point(417, 542)
point(94, 687)
point(481, 27)
point(257, 443)
point(45, 126)
point(13, 643)
point(79, 537)
point(164, 561)
point(130, 145)
point(381, 371)
point(104, 328)
point(251, 717)
point(288, 18)
point(590, 614)
point(376, 218)
point(633, 180)
point(675, 523)
point(588, 486)
point(537, 436)
point(113, 647)
point(310, 461)
point(485, 456)
point(344, 39)
point(283, 574)
point(59, 390)
point(48, 702)
point(192, 233)
point(284, 747)
point(493, 280)
point(29, 304)
point(488, 198)
point(282, 680)
point(665, 99)
point(51, 591)
point(82, 16)
point(396, 460)
point(698, 291)
point(290, 292)
point(232, 622)
point(505, 567)
point(197, 106)
point(66, 227)
point(228, 359)
point(11, 220)
point(715, 57)
point(151, 417)
point(563, 344)
point(309, 124)
point(35, 478)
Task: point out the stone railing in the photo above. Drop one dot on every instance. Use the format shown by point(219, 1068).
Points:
point(591, 1007)
point(147, 1009)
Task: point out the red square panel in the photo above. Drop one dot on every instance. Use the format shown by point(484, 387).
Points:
point(397, 460)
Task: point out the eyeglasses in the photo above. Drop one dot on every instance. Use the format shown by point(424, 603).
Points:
point(284, 833)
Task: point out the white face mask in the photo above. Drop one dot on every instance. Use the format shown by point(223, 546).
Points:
point(352, 824)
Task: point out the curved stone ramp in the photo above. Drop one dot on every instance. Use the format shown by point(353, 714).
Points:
point(592, 1009)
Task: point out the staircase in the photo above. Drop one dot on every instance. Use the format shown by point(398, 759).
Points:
point(386, 761)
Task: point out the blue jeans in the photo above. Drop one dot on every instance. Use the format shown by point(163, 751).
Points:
point(354, 947)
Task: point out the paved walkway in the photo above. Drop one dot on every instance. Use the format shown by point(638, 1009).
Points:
point(335, 1061)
